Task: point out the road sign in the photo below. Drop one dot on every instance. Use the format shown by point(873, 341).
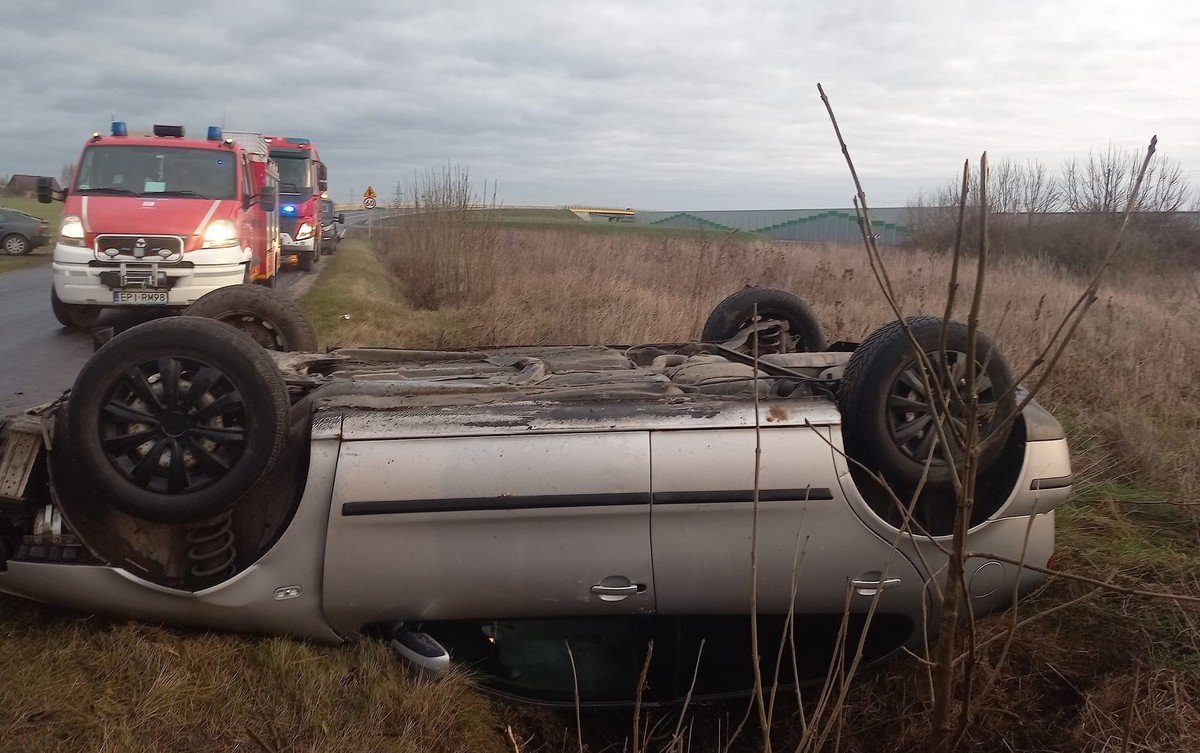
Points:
point(368, 203)
point(369, 193)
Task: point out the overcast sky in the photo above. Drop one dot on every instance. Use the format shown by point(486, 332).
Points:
point(656, 105)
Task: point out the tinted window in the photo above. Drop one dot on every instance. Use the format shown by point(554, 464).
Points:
point(158, 170)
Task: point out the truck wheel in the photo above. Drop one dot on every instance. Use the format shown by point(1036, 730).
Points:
point(736, 312)
point(306, 261)
point(72, 315)
point(887, 421)
point(176, 420)
point(273, 320)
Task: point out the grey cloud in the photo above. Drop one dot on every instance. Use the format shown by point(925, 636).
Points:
point(659, 105)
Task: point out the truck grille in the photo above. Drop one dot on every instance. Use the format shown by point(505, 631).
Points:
point(149, 247)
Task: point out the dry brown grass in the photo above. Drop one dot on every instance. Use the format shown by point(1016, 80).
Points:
point(73, 683)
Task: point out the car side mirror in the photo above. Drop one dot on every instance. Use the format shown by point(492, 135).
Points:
point(341, 218)
point(45, 191)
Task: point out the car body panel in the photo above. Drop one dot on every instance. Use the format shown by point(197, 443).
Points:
point(257, 600)
point(497, 526)
point(806, 533)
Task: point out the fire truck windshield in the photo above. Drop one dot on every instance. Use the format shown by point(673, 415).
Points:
point(295, 173)
point(157, 171)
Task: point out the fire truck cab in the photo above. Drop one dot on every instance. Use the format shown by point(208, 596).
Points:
point(159, 220)
point(302, 182)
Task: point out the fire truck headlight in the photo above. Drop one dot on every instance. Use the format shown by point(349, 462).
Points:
point(71, 233)
point(220, 234)
point(304, 232)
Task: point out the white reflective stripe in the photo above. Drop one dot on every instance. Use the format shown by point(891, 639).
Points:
point(204, 222)
point(83, 220)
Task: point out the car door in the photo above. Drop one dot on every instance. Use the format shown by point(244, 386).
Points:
point(702, 518)
point(537, 525)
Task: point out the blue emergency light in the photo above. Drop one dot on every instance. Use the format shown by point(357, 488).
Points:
point(288, 208)
point(214, 133)
point(118, 128)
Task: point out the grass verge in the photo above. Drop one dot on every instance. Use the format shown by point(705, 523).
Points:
point(356, 302)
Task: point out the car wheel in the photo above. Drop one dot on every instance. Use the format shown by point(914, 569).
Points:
point(306, 261)
point(737, 312)
point(16, 245)
point(72, 315)
point(887, 418)
point(176, 420)
point(274, 321)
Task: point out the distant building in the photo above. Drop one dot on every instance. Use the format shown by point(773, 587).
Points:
point(26, 185)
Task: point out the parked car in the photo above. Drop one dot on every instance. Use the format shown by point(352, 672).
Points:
point(496, 501)
point(21, 233)
point(331, 233)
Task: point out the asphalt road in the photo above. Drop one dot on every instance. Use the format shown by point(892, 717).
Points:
point(39, 358)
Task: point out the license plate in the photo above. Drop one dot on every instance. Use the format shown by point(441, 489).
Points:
point(140, 297)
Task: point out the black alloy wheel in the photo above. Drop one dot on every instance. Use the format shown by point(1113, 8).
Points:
point(173, 425)
point(175, 420)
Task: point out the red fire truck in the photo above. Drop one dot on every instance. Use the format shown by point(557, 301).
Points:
point(159, 220)
point(302, 181)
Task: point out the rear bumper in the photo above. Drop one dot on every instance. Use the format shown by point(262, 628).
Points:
point(77, 275)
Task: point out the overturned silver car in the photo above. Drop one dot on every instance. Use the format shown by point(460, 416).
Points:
point(192, 477)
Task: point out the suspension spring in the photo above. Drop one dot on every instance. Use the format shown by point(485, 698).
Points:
point(211, 549)
point(771, 340)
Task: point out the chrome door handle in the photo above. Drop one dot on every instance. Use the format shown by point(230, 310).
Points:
point(871, 585)
point(629, 590)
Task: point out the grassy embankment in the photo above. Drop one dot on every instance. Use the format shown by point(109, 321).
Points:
point(51, 213)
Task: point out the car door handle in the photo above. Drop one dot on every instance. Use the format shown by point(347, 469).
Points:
point(871, 584)
point(629, 590)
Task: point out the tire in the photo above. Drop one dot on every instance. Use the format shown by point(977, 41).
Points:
point(176, 420)
point(271, 319)
point(886, 424)
point(73, 316)
point(306, 261)
point(15, 245)
point(736, 312)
